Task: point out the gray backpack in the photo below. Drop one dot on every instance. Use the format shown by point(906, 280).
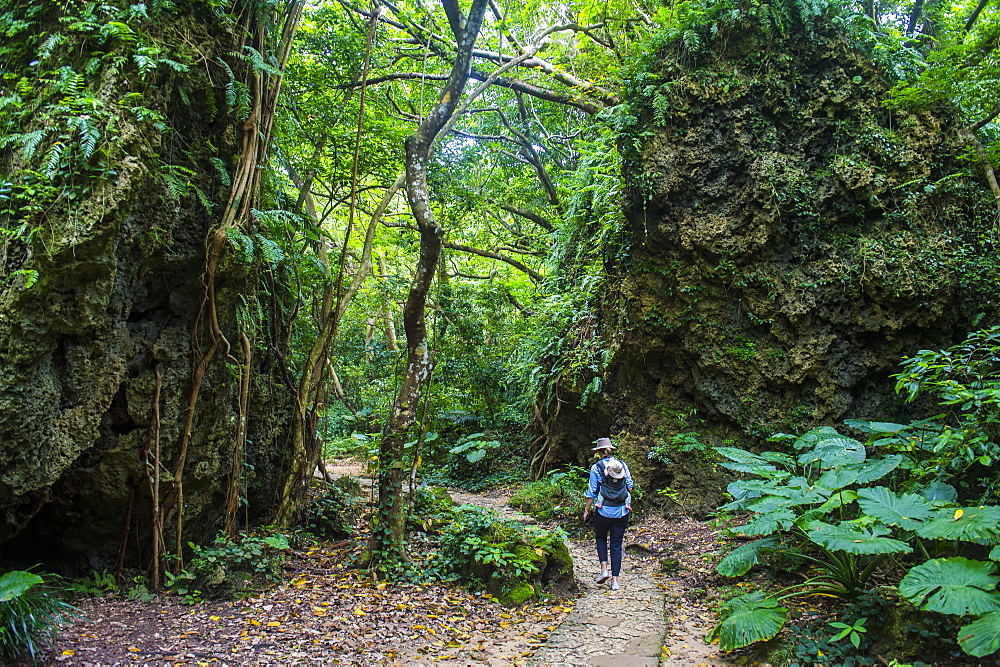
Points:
point(612, 490)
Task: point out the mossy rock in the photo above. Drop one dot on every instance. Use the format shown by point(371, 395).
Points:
point(349, 485)
point(521, 593)
point(432, 510)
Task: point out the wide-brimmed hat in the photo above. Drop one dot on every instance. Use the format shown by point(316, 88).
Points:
point(615, 469)
point(603, 443)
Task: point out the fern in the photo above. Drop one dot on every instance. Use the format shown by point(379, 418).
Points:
point(271, 251)
point(50, 45)
point(175, 178)
point(203, 198)
point(52, 159)
point(88, 135)
point(242, 243)
point(31, 141)
point(220, 168)
point(256, 60)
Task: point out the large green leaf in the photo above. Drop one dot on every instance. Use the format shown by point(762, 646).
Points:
point(814, 515)
point(741, 460)
point(939, 491)
point(833, 452)
point(739, 561)
point(856, 540)
point(981, 637)
point(952, 586)
point(765, 524)
point(837, 478)
point(14, 584)
point(965, 523)
point(747, 619)
point(875, 427)
point(906, 511)
point(875, 469)
point(813, 437)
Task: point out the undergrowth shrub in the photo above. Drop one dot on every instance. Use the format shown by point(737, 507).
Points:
point(559, 496)
point(332, 513)
point(887, 507)
point(510, 560)
point(234, 568)
point(30, 614)
point(431, 511)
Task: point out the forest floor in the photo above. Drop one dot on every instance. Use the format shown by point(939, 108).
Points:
point(324, 611)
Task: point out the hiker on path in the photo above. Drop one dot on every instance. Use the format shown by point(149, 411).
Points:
point(610, 485)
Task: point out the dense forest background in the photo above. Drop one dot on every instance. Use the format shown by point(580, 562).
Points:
point(464, 241)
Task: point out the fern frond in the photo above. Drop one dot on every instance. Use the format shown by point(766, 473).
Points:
point(242, 243)
point(271, 251)
point(31, 141)
point(49, 45)
point(256, 60)
point(220, 168)
point(203, 198)
point(52, 159)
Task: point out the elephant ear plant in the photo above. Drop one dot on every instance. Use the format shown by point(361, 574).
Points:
point(30, 614)
point(824, 505)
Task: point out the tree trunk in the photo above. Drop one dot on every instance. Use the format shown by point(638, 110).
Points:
point(388, 534)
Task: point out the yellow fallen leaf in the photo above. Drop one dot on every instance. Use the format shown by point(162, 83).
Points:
point(273, 624)
point(301, 581)
point(133, 649)
point(381, 586)
point(253, 621)
point(358, 611)
point(319, 611)
point(504, 624)
point(70, 652)
point(214, 618)
point(958, 514)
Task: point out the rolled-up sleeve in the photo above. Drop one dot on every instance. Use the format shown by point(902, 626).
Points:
point(591, 491)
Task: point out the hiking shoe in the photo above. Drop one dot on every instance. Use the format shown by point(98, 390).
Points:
point(614, 585)
point(602, 577)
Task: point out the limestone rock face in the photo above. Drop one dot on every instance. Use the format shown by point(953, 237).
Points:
point(119, 285)
point(789, 239)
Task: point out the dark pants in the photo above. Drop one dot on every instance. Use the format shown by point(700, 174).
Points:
point(605, 528)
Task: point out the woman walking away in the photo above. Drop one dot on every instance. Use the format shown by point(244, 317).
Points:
point(611, 486)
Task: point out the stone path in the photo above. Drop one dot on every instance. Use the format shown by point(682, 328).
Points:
point(623, 627)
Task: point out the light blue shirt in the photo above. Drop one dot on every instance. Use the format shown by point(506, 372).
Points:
point(595, 481)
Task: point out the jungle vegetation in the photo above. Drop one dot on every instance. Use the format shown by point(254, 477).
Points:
point(427, 196)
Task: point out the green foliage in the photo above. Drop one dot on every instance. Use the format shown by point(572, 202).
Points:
point(474, 447)
point(97, 584)
point(235, 567)
point(748, 618)
point(30, 615)
point(481, 549)
point(557, 496)
point(853, 631)
point(432, 509)
point(793, 498)
point(332, 513)
point(952, 586)
point(690, 442)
